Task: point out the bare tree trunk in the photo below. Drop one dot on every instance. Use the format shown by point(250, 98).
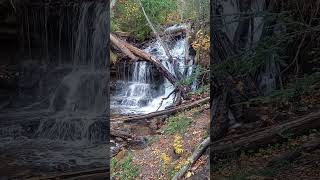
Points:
point(155, 32)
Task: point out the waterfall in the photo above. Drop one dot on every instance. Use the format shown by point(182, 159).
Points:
point(140, 93)
point(58, 118)
point(74, 78)
point(81, 91)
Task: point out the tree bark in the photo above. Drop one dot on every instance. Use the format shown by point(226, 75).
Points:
point(122, 47)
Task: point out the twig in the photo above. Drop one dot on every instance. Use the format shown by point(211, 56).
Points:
point(295, 60)
point(296, 56)
point(165, 98)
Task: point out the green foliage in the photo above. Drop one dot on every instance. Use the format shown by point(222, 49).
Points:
point(152, 139)
point(129, 17)
point(250, 61)
point(294, 89)
point(124, 169)
point(177, 124)
point(197, 75)
point(200, 91)
point(199, 9)
point(240, 174)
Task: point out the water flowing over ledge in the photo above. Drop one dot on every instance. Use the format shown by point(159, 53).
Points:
point(57, 121)
point(139, 90)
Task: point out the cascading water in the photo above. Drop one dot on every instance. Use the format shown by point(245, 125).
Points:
point(66, 117)
point(142, 93)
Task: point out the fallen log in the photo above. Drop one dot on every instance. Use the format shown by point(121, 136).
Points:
point(172, 32)
point(143, 55)
point(262, 137)
point(193, 158)
point(122, 47)
point(168, 111)
point(100, 173)
point(290, 156)
point(121, 134)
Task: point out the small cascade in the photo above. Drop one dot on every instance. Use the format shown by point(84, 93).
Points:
point(142, 93)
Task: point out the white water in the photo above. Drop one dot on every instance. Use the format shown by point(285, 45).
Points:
point(138, 95)
point(69, 130)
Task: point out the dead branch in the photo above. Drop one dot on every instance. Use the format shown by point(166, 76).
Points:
point(165, 98)
point(193, 158)
point(166, 49)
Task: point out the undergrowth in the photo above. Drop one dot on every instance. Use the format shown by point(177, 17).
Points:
point(124, 169)
point(302, 86)
point(177, 124)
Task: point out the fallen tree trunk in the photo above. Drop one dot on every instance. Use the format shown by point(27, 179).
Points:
point(122, 47)
point(143, 55)
point(121, 134)
point(97, 173)
point(168, 111)
point(172, 32)
point(294, 154)
point(269, 135)
point(193, 158)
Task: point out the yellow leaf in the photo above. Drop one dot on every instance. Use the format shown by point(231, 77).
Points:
point(189, 174)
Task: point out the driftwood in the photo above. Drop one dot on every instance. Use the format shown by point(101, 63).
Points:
point(193, 158)
point(168, 111)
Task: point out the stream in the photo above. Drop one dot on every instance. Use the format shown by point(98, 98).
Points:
point(57, 120)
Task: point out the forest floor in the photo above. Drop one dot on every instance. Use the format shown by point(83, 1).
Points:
point(256, 165)
point(158, 160)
